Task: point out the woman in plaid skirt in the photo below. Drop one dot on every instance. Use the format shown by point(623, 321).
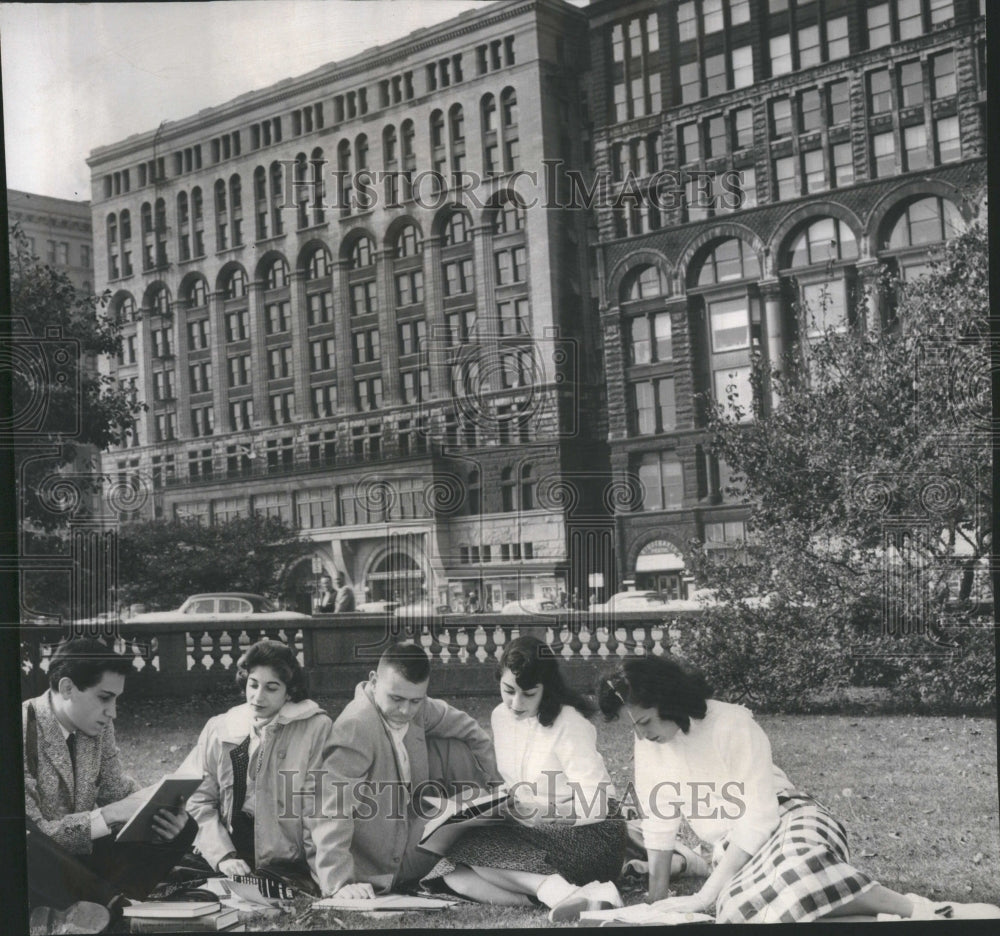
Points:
point(561, 840)
point(779, 855)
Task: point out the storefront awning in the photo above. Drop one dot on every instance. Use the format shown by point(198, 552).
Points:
point(659, 562)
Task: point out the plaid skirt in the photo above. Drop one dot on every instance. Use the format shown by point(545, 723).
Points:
point(581, 854)
point(802, 872)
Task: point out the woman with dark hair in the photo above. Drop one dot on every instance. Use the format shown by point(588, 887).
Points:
point(779, 855)
point(562, 832)
point(250, 817)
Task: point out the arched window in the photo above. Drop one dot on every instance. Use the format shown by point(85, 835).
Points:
point(473, 500)
point(927, 220)
point(260, 202)
point(277, 199)
point(197, 294)
point(277, 274)
point(183, 227)
point(318, 191)
point(457, 230)
point(456, 133)
point(160, 301)
point(361, 254)
point(508, 486)
point(126, 225)
point(527, 488)
point(344, 177)
point(197, 223)
point(236, 209)
point(301, 191)
point(146, 218)
point(408, 156)
point(361, 152)
point(644, 283)
point(160, 221)
point(730, 260)
point(126, 310)
point(236, 285)
point(509, 219)
point(221, 217)
point(406, 242)
point(508, 121)
point(488, 123)
point(822, 241)
point(114, 271)
point(318, 265)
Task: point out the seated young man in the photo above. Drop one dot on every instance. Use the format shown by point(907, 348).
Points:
point(75, 794)
point(389, 742)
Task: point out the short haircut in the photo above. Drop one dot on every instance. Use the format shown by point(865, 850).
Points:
point(409, 660)
point(281, 658)
point(533, 663)
point(677, 691)
point(85, 660)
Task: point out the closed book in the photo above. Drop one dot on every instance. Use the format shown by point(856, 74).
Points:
point(223, 920)
point(171, 909)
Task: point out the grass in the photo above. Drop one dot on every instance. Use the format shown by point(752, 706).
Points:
point(917, 794)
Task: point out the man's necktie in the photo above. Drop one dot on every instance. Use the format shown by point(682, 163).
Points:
point(71, 744)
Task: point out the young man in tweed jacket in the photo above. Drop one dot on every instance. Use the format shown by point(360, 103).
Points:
point(75, 793)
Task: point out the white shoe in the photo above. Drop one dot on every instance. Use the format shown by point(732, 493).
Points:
point(598, 895)
point(925, 909)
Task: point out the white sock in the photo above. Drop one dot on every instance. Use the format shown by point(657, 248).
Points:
point(554, 889)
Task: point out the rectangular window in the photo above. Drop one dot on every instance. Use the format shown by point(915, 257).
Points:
point(743, 127)
point(810, 114)
point(843, 164)
point(813, 171)
point(690, 148)
point(949, 145)
point(687, 21)
point(910, 19)
point(781, 117)
point(825, 306)
point(742, 67)
point(279, 362)
point(278, 317)
point(661, 480)
point(915, 147)
point(943, 70)
point(690, 81)
point(944, 10)
point(717, 136)
point(840, 102)
point(729, 324)
point(879, 30)
point(837, 43)
point(711, 16)
point(784, 177)
point(715, 74)
point(322, 354)
point(733, 389)
point(880, 91)
point(809, 51)
point(781, 54)
point(320, 308)
point(884, 153)
point(324, 400)
point(282, 407)
point(911, 84)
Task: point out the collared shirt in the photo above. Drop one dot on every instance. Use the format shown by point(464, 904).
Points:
point(397, 735)
point(257, 738)
point(98, 826)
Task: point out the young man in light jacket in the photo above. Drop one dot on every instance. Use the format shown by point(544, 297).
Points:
point(390, 742)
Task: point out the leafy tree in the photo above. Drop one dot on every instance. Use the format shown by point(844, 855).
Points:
point(871, 504)
point(60, 406)
point(162, 562)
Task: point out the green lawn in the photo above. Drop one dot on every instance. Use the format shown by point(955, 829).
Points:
point(917, 794)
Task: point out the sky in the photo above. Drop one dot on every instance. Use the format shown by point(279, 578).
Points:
point(77, 76)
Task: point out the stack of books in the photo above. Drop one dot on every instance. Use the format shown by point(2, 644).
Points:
point(182, 916)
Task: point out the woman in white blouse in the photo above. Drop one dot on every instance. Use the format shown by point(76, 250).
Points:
point(563, 831)
point(779, 855)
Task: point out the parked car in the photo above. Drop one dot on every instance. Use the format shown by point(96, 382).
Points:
point(220, 606)
point(529, 606)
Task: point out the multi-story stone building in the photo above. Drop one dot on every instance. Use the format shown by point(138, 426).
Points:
point(353, 300)
point(58, 233)
point(389, 361)
point(765, 158)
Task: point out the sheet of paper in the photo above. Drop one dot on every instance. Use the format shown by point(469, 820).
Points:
point(396, 902)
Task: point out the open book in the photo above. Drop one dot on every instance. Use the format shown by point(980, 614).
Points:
point(641, 915)
point(164, 795)
point(460, 813)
